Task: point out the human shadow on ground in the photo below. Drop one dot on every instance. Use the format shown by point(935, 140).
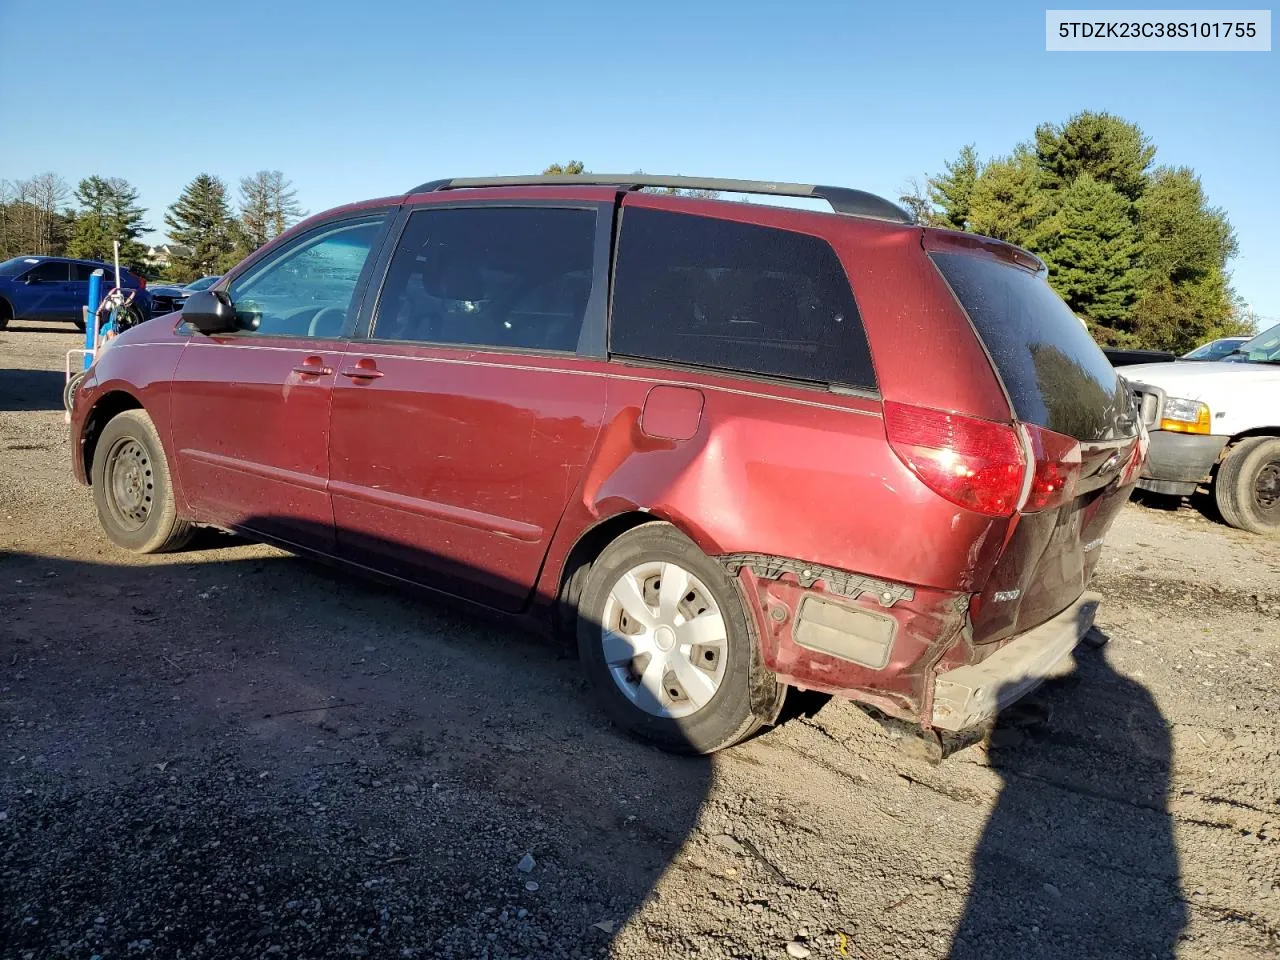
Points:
point(1081, 839)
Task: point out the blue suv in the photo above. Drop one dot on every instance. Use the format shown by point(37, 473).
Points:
point(56, 288)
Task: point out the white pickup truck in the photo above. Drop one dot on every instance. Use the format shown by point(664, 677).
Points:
point(1217, 424)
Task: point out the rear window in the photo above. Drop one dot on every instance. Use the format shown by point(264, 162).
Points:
point(735, 296)
point(1056, 376)
point(17, 265)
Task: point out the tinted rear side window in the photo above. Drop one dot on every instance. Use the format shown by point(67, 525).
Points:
point(518, 277)
point(735, 296)
point(1056, 376)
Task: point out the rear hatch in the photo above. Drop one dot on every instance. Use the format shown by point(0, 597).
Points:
point(1079, 427)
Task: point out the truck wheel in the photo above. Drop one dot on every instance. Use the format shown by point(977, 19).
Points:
point(1247, 488)
point(664, 640)
point(132, 490)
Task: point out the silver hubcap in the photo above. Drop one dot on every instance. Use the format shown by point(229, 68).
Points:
point(664, 639)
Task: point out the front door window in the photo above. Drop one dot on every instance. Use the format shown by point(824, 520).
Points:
point(306, 290)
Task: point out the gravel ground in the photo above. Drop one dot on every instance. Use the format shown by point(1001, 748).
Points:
point(231, 752)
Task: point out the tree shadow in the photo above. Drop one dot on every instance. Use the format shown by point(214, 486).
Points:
point(1081, 839)
point(222, 753)
point(29, 390)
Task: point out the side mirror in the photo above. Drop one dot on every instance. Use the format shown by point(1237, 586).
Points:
point(210, 312)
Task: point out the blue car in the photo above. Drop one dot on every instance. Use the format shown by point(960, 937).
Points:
point(56, 288)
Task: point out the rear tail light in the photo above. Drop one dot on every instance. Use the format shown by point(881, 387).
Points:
point(142, 283)
point(975, 463)
point(1057, 468)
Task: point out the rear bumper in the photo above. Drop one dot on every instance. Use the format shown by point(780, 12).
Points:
point(971, 696)
point(1179, 462)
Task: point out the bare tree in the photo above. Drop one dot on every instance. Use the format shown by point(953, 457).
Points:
point(268, 207)
point(48, 192)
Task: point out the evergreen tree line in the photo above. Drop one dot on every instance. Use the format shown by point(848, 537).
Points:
point(43, 216)
point(1134, 248)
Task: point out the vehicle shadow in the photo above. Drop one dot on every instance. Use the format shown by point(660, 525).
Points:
point(232, 750)
point(1081, 838)
point(29, 390)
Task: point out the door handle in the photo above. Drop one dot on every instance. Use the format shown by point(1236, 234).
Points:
point(364, 369)
point(313, 367)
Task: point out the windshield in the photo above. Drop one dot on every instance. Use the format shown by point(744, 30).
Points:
point(1213, 351)
point(1264, 348)
point(204, 283)
point(11, 268)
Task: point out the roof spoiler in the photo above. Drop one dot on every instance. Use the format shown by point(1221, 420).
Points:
point(856, 203)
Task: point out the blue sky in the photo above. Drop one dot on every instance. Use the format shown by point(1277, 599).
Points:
point(353, 100)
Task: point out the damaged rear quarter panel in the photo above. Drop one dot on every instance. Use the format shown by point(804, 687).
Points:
point(804, 474)
point(791, 472)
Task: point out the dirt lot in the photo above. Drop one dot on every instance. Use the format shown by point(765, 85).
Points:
point(230, 752)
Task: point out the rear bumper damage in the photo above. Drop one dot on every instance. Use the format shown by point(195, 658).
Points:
point(854, 636)
point(973, 695)
point(906, 650)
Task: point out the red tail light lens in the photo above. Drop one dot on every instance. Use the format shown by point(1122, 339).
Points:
point(1057, 468)
point(975, 463)
point(142, 283)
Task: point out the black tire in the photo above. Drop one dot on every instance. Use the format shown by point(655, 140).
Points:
point(69, 391)
point(6, 314)
point(733, 712)
point(132, 489)
point(1247, 487)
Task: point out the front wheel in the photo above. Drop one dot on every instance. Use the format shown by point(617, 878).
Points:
point(1247, 487)
point(132, 490)
point(664, 639)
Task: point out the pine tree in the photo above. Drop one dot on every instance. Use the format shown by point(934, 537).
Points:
point(1184, 296)
point(1091, 248)
point(1008, 201)
point(109, 212)
point(201, 221)
point(1111, 150)
point(951, 192)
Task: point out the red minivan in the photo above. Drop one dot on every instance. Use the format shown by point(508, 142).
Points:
point(734, 447)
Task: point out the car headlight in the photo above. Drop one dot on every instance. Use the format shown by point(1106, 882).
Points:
point(1184, 416)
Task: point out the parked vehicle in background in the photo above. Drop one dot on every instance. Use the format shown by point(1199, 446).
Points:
point(1217, 423)
point(1218, 349)
point(57, 288)
point(665, 422)
point(1126, 358)
point(167, 298)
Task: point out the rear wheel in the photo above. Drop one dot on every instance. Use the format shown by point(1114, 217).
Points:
point(6, 314)
point(132, 490)
point(1247, 487)
point(665, 643)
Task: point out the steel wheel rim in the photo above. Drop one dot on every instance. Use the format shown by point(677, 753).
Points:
point(1266, 486)
point(664, 639)
point(131, 483)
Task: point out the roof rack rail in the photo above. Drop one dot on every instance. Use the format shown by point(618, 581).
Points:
point(857, 203)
